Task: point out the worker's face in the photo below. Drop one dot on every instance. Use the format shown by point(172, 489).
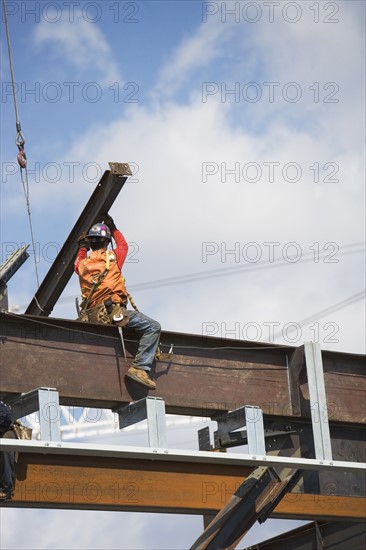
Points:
point(97, 243)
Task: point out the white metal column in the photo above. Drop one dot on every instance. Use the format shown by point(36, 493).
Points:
point(318, 401)
point(49, 414)
point(152, 409)
point(255, 430)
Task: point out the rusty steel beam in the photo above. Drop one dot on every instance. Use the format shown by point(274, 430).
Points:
point(204, 376)
point(317, 536)
point(131, 484)
point(61, 269)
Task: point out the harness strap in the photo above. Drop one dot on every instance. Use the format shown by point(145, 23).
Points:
point(97, 282)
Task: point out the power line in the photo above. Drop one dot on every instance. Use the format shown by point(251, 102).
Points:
point(212, 274)
point(324, 312)
point(235, 270)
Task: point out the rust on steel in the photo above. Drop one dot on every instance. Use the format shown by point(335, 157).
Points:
point(205, 375)
point(91, 482)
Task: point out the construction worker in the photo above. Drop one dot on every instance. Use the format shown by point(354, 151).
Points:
point(7, 458)
point(103, 289)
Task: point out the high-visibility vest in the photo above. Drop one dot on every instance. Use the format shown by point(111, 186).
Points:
point(110, 285)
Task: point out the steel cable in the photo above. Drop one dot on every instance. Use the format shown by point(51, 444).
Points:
point(19, 140)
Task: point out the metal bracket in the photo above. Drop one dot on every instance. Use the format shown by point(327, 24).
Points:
point(318, 401)
point(255, 430)
point(46, 401)
point(120, 168)
point(250, 416)
point(204, 443)
point(152, 409)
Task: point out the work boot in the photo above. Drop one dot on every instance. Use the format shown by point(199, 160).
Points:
point(5, 496)
point(141, 376)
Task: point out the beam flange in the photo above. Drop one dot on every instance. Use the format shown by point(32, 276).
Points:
point(177, 455)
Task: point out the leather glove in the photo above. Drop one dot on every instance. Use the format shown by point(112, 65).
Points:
point(83, 241)
point(108, 220)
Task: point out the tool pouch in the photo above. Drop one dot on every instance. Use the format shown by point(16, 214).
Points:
point(105, 314)
point(21, 431)
point(97, 314)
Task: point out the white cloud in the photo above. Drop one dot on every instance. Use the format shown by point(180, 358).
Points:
point(200, 49)
point(81, 44)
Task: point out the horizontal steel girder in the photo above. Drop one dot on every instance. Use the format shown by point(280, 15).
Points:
point(140, 483)
point(204, 376)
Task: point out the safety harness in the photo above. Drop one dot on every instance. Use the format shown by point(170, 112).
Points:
point(110, 313)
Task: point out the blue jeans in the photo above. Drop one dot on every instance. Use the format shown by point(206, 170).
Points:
point(7, 468)
point(149, 332)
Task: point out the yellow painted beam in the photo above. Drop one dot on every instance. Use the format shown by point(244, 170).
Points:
point(80, 482)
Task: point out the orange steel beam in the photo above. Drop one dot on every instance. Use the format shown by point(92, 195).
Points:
point(115, 484)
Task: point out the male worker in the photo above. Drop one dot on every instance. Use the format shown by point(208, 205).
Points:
point(7, 458)
point(101, 282)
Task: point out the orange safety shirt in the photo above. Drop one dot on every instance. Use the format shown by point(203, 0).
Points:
point(109, 261)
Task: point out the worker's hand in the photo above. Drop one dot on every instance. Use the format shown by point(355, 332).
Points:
point(83, 241)
point(108, 220)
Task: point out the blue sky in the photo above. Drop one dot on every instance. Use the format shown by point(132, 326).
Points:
point(244, 122)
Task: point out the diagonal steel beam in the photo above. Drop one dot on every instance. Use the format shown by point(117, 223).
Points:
point(255, 499)
point(61, 270)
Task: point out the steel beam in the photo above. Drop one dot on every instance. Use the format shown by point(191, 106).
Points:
point(318, 536)
point(61, 270)
point(138, 483)
point(254, 500)
point(7, 269)
point(12, 263)
point(4, 301)
point(177, 455)
point(42, 352)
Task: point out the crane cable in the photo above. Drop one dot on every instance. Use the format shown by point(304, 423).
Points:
point(20, 141)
